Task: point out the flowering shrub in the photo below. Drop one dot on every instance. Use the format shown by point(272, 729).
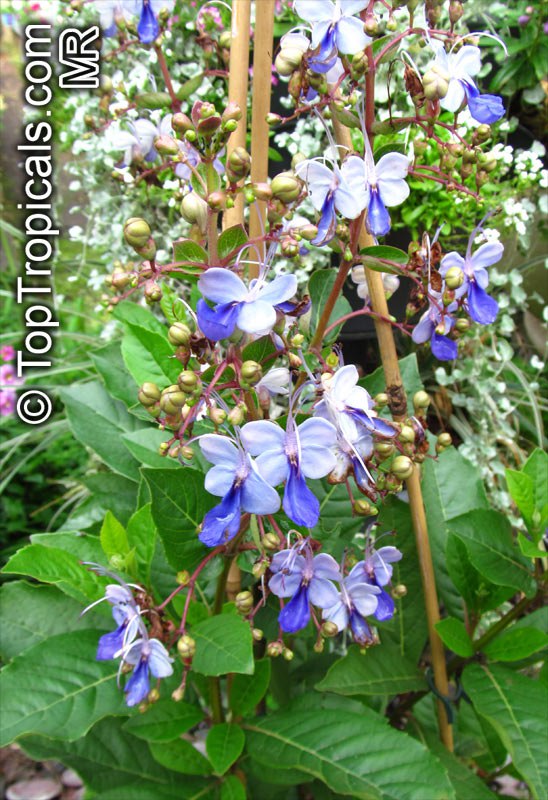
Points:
point(275, 532)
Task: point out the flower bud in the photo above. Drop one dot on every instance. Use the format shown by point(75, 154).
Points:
point(288, 654)
point(421, 400)
point(399, 591)
point(359, 63)
point(329, 629)
point(384, 449)
point(143, 707)
point(209, 126)
point(251, 373)
point(294, 361)
point(149, 394)
point(259, 568)
point(237, 415)
point(136, 232)
point(262, 191)
point(172, 399)
point(455, 11)
point(238, 165)
point(194, 210)
point(244, 602)
point(371, 26)
point(444, 440)
point(119, 278)
point(286, 187)
point(186, 647)
point(187, 453)
point(257, 634)
point(166, 145)
point(274, 649)
point(153, 695)
point(179, 334)
point(381, 400)
point(361, 507)
point(178, 694)
point(290, 247)
point(153, 292)
point(482, 133)
point(407, 434)
point(181, 123)
point(462, 325)
point(435, 83)
point(217, 415)
point(297, 340)
point(270, 541)
point(288, 60)
point(183, 577)
point(308, 232)
point(232, 112)
point(187, 381)
point(273, 119)
point(402, 467)
point(454, 278)
point(216, 201)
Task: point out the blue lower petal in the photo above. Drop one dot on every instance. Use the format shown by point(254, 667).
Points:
point(110, 31)
point(443, 348)
point(482, 307)
point(218, 322)
point(378, 218)
point(362, 476)
point(296, 614)
point(111, 643)
point(137, 688)
point(222, 523)
point(485, 108)
point(327, 223)
point(374, 424)
point(326, 54)
point(300, 504)
point(385, 607)
point(148, 28)
point(361, 632)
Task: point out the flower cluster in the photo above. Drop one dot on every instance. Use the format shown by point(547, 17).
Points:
point(130, 641)
point(145, 11)
point(8, 381)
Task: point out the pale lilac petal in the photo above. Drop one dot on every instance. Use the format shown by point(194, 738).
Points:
point(326, 567)
point(358, 397)
point(273, 466)
point(391, 167)
point(389, 554)
point(454, 97)
point(222, 286)
point(219, 479)
point(288, 560)
point(159, 660)
point(488, 254)
point(349, 203)
point(276, 381)
point(262, 435)
point(319, 32)
point(349, 428)
point(393, 193)
point(279, 290)
point(220, 450)
point(422, 331)
point(316, 11)
point(364, 599)
point(350, 36)
point(452, 259)
point(322, 593)
point(349, 7)
point(317, 461)
point(338, 614)
point(285, 585)
point(482, 278)
point(159, 5)
point(317, 431)
point(257, 496)
point(333, 75)
point(343, 381)
point(466, 62)
point(319, 180)
point(256, 317)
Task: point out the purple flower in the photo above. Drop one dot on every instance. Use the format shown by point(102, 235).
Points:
point(252, 309)
point(482, 307)
point(149, 657)
point(349, 406)
point(434, 324)
point(126, 614)
point(376, 570)
point(351, 457)
point(334, 28)
point(307, 580)
point(8, 400)
point(385, 186)
point(7, 352)
point(293, 455)
point(8, 376)
point(236, 479)
point(357, 600)
point(333, 190)
point(137, 142)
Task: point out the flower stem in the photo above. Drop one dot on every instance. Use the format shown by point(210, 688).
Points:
point(175, 102)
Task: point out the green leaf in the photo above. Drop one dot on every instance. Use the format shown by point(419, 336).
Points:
point(107, 491)
point(190, 86)
point(232, 789)
point(144, 444)
point(246, 691)
point(529, 548)
point(487, 536)
point(319, 288)
point(57, 688)
point(231, 239)
point(516, 707)
point(113, 537)
point(164, 721)
point(259, 350)
point(521, 487)
point(411, 379)
point(179, 504)
point(98, 421)
point(451, 486)
point(152, 100)
point(116, 765)
point(381, 671)
point(378, 257)
point(180, 756)
point(353, 752)
point(478, 593)
point(223, 644)
point(187, 250)
point(52, 565)
point(147, 353)
point(141, 534)
point(173, 308)
point(455, 636)
point(109, 363)
point(32, 613)
point(515, 644)
point(224, 745)
point(536, 468)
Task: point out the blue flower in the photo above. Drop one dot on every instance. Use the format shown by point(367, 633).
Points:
point(147, 11)
point(252, 309)
point(333, 190)
point(293, 455)
point(351, 459)
point(385, 186)
point(236, 479)
point(149, 657)
point(357, 600)
point(349, 406)
point(126, 614)
point(482, 307)
point(307, 580)
point(376, 570)
point(334, 28)
point(434, 324)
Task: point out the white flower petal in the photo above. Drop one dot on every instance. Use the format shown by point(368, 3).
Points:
point(261, 435)
point(222, 286)
point(350, 36)
point(256, 317)
point(219, 450)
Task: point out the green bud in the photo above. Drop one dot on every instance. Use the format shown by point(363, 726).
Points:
point(187, 380)
point(274, 649)
point(136, 232)
point(237, 414)
point(186, 647)
point(153, 292)
point(244, 602)
point(462, 325)
point(286, 187)
point(361, 507)
point(270, 541)
point(187, 453)
point(257, 634)
point(273, 119)
point(183, 577)
point(407, 434)
point(445, 440)
point(172, 399)
point(179, 334)
point(329, 629)
point(288, 654)
point(435, 83)
point(399, 591)
point(381, 400)
point(166, 145)
point(239, 164)
point(153, 695)
point(217, 415)
point(421, 400)
point(251, 372)
point(119, 278)
point(454, 278)
point(225, 40)
point(288, 60)
point(232, 113)
point(402, 467)
point(259, 568)
point(149, 394)
point(194, 210)
point(262, 191)
point(384, 449)
point(181, 123)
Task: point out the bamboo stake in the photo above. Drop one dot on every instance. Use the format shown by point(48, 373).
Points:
point(398, 407)
point(237, 90)
point(262, 85)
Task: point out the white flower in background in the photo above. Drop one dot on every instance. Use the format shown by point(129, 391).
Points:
point(390, 283)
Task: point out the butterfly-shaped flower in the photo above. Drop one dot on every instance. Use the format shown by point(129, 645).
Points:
point(237, 480)
point(148, 657)
point(137, 142)
point(335, 29)
point(291, 456)
point(482, 307)
point(384, 184)
point(307, 579)
point(376, 570)
point(252, 309)
point(357, 600)
point(435, 324)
